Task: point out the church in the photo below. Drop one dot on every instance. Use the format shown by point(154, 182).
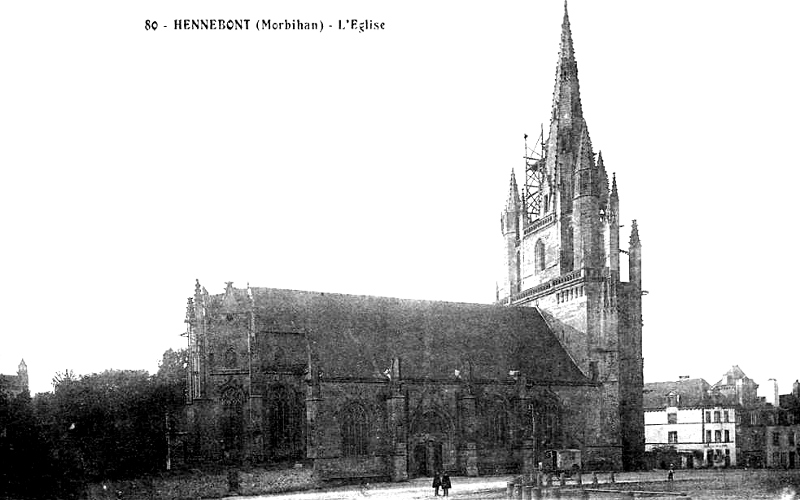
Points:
point(364, 386)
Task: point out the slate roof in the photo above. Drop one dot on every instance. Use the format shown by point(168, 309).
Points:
point(357, 335)
point(731, 376)
point(692, 392)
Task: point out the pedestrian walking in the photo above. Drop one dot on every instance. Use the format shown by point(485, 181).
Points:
point(436, 483)
point(446, 483)
point(670, 474)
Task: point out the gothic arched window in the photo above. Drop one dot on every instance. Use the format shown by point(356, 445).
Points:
point(545, 414)
point(285, 411)
point(354, 431)
point(538, 255)
point(499, 426)
point(232, 421)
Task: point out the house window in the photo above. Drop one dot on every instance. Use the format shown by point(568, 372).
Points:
point(753, 418)
point(708, 436)
point(727, 436)
point(672, 418)
point(708, 417)
point(776, 438)
point(791, 438)
point(716, 416)
point(726, 417)
point(672, 437)
point(354, 432)
point(717, 436)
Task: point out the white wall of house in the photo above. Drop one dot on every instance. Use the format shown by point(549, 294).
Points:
point(708, 432)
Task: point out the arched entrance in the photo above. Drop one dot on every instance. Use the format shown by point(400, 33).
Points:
point(431, 444)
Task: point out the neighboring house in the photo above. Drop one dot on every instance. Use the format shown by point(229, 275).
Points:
point(735, 388)
point(781, 446)
point(782, 431)
point(683, 425)
point(726, 424)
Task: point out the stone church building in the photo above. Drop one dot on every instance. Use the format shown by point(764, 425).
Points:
point(365, 386)
point(14, 385)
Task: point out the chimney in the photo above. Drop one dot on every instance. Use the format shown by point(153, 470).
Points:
point(796, 388)
point(773, 396)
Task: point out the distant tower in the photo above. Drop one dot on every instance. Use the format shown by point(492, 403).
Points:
point(563, 257)
point(22, 373)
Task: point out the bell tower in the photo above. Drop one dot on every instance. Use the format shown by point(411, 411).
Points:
point(22, 373)
point(562, 256)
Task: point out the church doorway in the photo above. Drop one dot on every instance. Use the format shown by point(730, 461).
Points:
point(432, 445)
point(421, 460)
point(436, 451)
point(428, 458)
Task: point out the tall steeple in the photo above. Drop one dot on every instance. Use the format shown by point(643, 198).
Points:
point(566, 128)
point(567, 114)
point(564, 258)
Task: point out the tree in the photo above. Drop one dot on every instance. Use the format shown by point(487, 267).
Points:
point(171, 376)
point(62, 377)
point(107, 424)
point(23, 451)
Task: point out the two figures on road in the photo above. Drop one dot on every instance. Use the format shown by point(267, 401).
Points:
point(442, 481)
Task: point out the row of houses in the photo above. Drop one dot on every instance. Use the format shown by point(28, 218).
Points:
point(690, 423)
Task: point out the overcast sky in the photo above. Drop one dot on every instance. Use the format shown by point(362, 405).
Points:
point(134, 162)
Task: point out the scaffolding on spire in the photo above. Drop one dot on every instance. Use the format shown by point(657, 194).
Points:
point(535, 178)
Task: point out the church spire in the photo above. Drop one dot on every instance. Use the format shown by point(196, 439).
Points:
point(614, 193)
point(566, 49)
point(566, 96)
point(613, 197)
point(510, 226)
point(566, 120)
point(513, 203)
point(634, 241)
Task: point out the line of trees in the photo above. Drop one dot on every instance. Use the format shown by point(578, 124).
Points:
point(108, 425)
